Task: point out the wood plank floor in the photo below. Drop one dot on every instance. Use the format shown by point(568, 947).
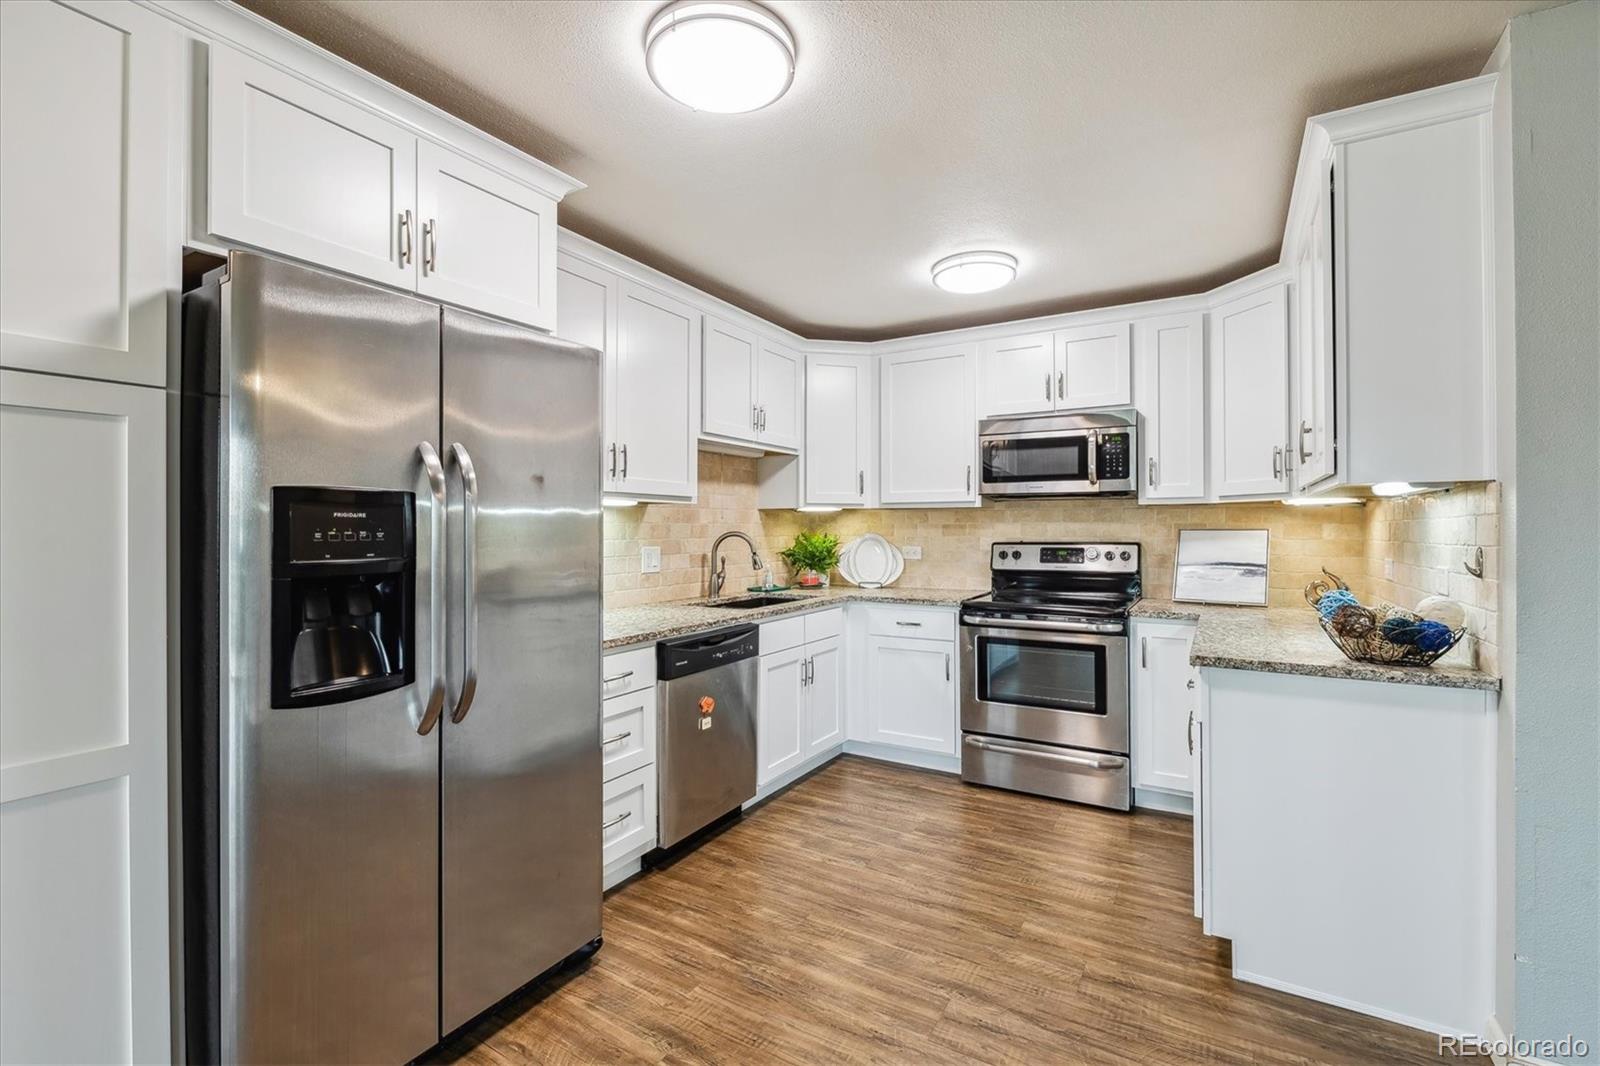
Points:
point(879, 914)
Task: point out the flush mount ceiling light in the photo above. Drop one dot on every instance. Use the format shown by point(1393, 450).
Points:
point(969, 272)
point(723, 56)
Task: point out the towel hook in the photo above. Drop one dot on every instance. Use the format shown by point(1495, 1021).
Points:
point(1474, 563)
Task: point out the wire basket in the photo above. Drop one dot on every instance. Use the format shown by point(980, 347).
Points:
point(1386, 634)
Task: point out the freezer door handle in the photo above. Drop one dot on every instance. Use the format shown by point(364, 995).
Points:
point(469, 578)
point(435, 705)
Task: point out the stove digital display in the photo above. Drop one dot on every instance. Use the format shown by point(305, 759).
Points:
point(1061, 555)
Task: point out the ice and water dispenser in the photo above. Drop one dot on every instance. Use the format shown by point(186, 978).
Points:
point(343, 600)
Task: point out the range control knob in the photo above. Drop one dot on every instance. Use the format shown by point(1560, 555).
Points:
point(1092, 554)
point(1126, 556)
point(1111, 553)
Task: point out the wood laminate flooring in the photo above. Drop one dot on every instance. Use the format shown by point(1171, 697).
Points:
point(874, 913)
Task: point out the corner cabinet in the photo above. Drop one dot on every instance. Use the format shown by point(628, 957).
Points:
point(928, 427)
point(1170, 392)
point(909, 694)
point(751, 387)
point(304, 172)
point(1165, 698)
point(1249, 386)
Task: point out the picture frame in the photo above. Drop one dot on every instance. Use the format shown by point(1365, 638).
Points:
point(1222, 566)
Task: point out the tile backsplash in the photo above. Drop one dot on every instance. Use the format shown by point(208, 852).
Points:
point(1425, 537)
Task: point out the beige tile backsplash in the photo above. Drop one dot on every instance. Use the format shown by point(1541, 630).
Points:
point(1426, 536)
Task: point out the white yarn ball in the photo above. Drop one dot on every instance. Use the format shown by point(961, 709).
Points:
point(1443, 609)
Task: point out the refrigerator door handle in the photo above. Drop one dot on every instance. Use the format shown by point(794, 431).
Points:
point(435, 472)
point(469, 574)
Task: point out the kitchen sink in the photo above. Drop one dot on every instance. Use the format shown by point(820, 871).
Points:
point(746, 603)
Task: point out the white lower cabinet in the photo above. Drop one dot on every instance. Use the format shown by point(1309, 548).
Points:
point(910, 693)
point(627, 733)
point(1165, 696)
point(800, 695)
point(628, 815)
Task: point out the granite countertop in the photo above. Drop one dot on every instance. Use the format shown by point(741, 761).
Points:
point(1283, 640)
point(659, 621)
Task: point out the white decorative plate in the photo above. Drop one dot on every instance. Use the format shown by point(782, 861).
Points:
point(874, 562)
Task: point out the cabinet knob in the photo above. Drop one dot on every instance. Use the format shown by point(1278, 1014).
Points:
point(1189, 684)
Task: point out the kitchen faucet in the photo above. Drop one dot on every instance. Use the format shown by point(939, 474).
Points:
point(720, 574)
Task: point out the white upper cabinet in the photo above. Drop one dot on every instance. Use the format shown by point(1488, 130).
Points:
point(1169, 362)
point(1312, 432)
point(780, 394)
point(88, 254)
point(586, 310)
point(840, 465)
point(1094, 367)
point(655, 394)
point(929, 427)
point(1018, 375)
point(751, 387)
point(482, 240)
point(728, 380)
point(1249, 385)
point(300, 171)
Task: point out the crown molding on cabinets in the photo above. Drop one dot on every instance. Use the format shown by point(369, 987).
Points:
point(227, 23)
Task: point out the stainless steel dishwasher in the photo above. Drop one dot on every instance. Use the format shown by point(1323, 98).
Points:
point(706, 760)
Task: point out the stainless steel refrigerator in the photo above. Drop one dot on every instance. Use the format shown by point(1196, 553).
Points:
point(391, 635)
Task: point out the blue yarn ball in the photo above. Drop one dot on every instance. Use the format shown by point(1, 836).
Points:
point(1433, 636)
point(1332, 600)
point(1399, 631)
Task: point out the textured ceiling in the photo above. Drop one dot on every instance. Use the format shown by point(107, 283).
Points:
point(1121, 151)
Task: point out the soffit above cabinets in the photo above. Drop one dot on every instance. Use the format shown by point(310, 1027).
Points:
point(1123, 152)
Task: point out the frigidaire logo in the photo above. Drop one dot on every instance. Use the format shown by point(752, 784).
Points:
point(349, 514)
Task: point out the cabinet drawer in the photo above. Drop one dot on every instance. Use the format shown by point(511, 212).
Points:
point(627, 732)
point(627, 814)
point(628, 671)
point(930, 624)
point(783, 634)
point(824, 624)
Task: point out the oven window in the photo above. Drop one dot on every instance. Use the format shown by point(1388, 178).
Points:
point(1036, 673)
point(1064, 458)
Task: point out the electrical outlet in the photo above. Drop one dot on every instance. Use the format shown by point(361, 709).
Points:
point(650, 560)
point(911, 551)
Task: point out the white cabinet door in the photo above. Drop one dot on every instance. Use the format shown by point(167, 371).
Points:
point(839, 466)
point(586, 313)
point(299, 171)
point(1311, 433)
point(1164, 695)
point(1094, 367)
point(484, 241)
point(1017, 375)
point(627, 815)
point(1169, 356)
point(656, 391)
point(1249, 368)
point(728, 380)
point(911, 693)
point(88, 255)
point(930, 427)
point(780, 714)
point(824, 719)
point(780, 387)
point(83, 721)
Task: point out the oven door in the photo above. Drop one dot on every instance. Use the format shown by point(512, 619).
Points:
point(1038, 681)
point(1037, 464)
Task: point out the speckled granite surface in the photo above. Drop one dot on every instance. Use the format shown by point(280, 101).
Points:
point(1289, 641)
point(659, 621)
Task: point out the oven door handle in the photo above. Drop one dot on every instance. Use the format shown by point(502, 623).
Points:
point(1054, 627)
point(1094, 762)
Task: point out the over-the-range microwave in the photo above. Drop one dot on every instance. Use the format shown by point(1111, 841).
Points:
point(1088, 452)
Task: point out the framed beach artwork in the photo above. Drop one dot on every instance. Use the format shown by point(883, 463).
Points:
point(1221, 566)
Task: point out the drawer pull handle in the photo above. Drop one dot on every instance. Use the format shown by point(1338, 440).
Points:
point(614, 678)
point(910, 625)
point(618, 739)
point(618, 820)
point(1101, 762)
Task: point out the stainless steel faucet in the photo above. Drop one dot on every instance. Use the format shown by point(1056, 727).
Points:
point(719, 574)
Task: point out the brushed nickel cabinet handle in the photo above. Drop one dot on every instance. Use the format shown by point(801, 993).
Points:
point(405, 237)
point(1152, 477)
point(618, 739)
point(617, 677)
point(861, 482)
point(755, 417)
point(1277, 463)
point(1144, 653)
point(1047, 387)
point(1191, 732)
point(969, 477)
point(624, 462)
point(430, 245)
point(618, 820)
point(909, 625)
point(613, 461)
point(1061, 385)
point(1305, 431)
point(947, 666)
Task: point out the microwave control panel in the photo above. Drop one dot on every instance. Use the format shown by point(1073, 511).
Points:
point(1113, 462)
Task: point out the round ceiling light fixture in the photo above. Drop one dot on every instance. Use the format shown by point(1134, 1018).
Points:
point(722, 56)
point(969, 272)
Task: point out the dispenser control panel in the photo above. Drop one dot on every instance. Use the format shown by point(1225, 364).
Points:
point(322, 532)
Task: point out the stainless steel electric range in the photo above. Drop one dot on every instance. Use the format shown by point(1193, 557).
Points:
point(1044, 672)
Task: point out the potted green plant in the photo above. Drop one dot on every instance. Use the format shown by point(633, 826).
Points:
point(810, 558)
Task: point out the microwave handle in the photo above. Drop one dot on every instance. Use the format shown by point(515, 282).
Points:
point(1094, 457)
